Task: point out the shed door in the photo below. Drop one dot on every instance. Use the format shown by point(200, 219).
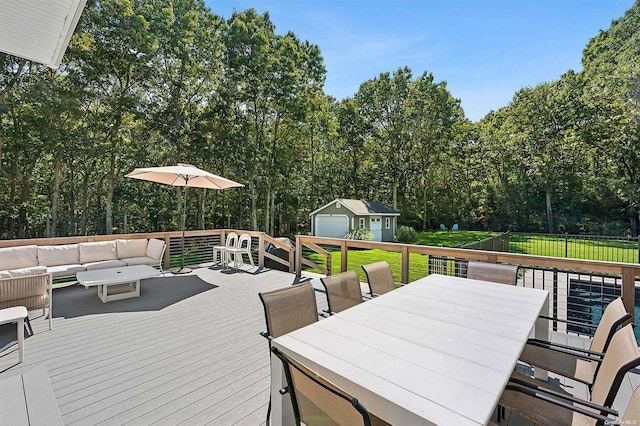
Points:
point(335, 226)
point(375, 226)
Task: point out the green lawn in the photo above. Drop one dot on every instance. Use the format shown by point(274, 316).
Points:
point(575, 248)
point(451, 238)
point(541, 245)
point(419, 266)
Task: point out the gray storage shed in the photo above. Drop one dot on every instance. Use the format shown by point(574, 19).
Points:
point(343, 215)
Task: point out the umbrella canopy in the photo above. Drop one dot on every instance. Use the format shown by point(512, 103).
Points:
point(183, 175)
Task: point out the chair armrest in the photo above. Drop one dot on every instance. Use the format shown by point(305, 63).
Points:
point(266, 335)
point(600, 417)
point(570, 322)
point(535, 389)
point(578, 352)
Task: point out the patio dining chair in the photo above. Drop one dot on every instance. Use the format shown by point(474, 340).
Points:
point(318, 402)
point(343, 291)
point(494, 272)
point(379, 277)
point(288, 309)
point(578, 363)
point(243, 246)
point(544, 404)
point(219, 252)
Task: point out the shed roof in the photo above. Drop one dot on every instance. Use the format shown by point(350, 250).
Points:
point(361, 208)
point(38, 30)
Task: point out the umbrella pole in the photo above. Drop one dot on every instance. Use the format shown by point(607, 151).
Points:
point(183, 219)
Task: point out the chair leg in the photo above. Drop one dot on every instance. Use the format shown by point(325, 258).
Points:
point(27, 326)
point(268, 421)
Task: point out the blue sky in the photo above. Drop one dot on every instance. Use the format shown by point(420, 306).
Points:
point(484, 49)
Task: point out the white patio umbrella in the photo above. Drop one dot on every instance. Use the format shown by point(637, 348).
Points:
point(183, 175)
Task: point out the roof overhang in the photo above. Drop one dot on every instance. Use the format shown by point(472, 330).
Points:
point(38, 30)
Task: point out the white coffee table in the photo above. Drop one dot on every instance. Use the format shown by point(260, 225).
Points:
point(111, 277)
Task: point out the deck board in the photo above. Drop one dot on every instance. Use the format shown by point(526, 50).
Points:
point(185, 352)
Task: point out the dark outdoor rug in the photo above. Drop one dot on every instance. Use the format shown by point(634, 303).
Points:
point(155, 294)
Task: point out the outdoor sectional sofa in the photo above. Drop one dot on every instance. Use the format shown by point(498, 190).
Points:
point(66, 260)
point(27, 272)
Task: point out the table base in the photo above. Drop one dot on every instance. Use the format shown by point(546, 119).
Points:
point(118, 291)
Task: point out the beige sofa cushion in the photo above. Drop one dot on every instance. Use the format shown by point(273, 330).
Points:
point(142, 260)
point(23, 272)
point(18, 257)
point(97, 251)
point(64, 254)
point(65, 270)
point(105, 264)
point(154, 248)
point(131, 248)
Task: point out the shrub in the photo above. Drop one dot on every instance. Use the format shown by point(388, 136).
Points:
point(405, 234)
point(359, 234)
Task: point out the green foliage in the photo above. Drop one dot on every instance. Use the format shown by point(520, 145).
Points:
point(405, 234)
point(359, 234)
point(157, 82)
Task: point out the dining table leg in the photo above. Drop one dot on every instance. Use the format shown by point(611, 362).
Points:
point(542, 332)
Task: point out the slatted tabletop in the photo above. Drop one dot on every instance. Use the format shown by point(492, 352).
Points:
point(437, 351)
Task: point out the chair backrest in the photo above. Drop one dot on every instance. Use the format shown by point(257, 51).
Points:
point(454, 227)
point(622, 355)
point(494, 272)
point(232, 238)
point(379, 277)
point(632, 413)
point(614, 315)
point(443, 227)
point(343, 291)
point(317, 401)
point(244, 242)
point(290, 308)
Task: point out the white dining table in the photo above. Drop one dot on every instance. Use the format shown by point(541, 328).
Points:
point(438, 351)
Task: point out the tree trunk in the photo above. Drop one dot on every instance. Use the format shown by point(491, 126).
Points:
point(54, 199)
point(201, 206)
point(634, 219)
point(395, 193)
point(272, 227)
point(267, 210)
point(549, 211)
point(85, 201)
point(254, 206)
point(108, 208)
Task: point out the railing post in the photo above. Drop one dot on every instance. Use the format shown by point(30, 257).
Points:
point(167, 252)
point(292, 261)
point(629, 289)
point(343, 255)
point(555, 299)
point(405, 265)
point(298, 257)
point(566, 244)
point(260, 250)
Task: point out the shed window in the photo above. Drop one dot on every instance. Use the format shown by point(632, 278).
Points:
point(361, 222)
point(387, 223)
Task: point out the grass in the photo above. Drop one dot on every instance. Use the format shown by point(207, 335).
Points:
point(540, 245)
point(419, 266)
point(451, 238)
point(575, 248)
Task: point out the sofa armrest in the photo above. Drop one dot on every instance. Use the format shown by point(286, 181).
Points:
point(31, 291)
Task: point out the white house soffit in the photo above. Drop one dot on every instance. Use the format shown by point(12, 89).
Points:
point(38, 30)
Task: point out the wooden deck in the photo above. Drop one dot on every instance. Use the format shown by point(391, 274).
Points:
point(184, 352)
point(188, 351)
